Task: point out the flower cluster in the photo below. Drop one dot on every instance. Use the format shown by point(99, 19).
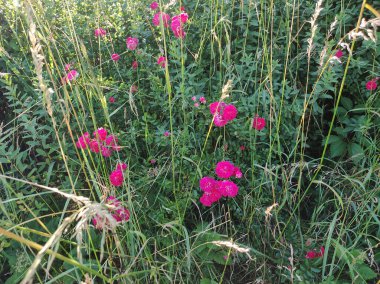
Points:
point(119, 213)
point(213, 189)
point(132, 43)
point(371, 85)
point(258, 123)
point(162, 61)
point(71, 74)
point(161, 17)
point(314, 254)
point(177, 25)
point(202, 100)
point(100, 143)
point(100, 32)
point(223, 113)
point(117, 176)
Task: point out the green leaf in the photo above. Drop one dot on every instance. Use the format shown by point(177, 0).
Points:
point(365, 272)
point(338, 149)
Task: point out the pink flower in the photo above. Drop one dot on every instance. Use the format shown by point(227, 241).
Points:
point(111, 99)
point(176, 25)
point(94, 146)
point(229, 113)
point(194, 98)
point(106, 152)
point(258, 123)
point(154, 5)
point(209, 197)
point(152, 161)
point(67, 67)
point(115, 57)
point(121, 166)
point(207, 184)
point(202, 100)
point(228, 188)
point(112, 200)
point(117, 178)
point(133, 89)
point(100, 32)
point(122, 214)
point(238, 173)
point(219, 121)
point(100, 134)
point(166, 133)
point(132, 43)
point(162, 61)
point(135, 64)
point(196, 105)
point(224, 169)
point(217, 107)
point(83, 141)
point(314, 254)
point(111, 140)
point(72, 75)
point(242, 148)
point(161, 17)
point(182, 9)
point(339, 53)
point(371, 85)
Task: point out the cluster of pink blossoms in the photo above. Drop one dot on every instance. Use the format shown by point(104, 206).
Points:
point(314, 254)
point(223, 113)
point(162, 61)
point(371, 85)
point(202, 100)
point(100, 143)
point(258, 123)
point(119, 213)
point(132, 43)
point(100, 32)
point(70, 75)
point(117, 176)
point(176, 24)
point(213, 189)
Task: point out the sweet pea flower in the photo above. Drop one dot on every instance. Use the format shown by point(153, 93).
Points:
point(154, 5)
point(161, 17)
point(117, 178)
point(224, 169)
point(371, 85)
point(115, 57)
point(132, 43)
point(162, 61)
point(100, 32)
point(112, 99)
point(135, 64)
point(258, 123)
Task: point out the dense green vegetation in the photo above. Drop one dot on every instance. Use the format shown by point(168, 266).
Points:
point(112, 120)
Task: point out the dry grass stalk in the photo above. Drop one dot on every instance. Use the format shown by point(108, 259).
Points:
point(232, 246)
point(38, 60)
point(318, 9)
point(226, 90)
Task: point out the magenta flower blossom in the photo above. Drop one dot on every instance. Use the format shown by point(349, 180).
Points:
point(182, 9)
point(176, 25)
point(70, 76)
point(115, 57)
point(100, 134)
point(371, 85)
point(135, 64)
point(224, 169)
point(217, 107)
point(229, 113)
point(112, 99)
point(117, 178)
point(196, 105)
point(207, 184)
point(154, 5)
point(339, 53)
point(209, 197)
point(242, 148)
point(219, 121)
point(166, 133)
point(161, 17)
point(194, 98)
point(314, 254)
point(132, 43)
point(94, 146)
point(121, 166)
point(67, 67)
point(83, 141)
point(202, 100)
point(228, 188)
point(162, 61)
point(111, 140)
point(238, 173)
point(258, 123)
point(106, 152)
point(100, 32)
